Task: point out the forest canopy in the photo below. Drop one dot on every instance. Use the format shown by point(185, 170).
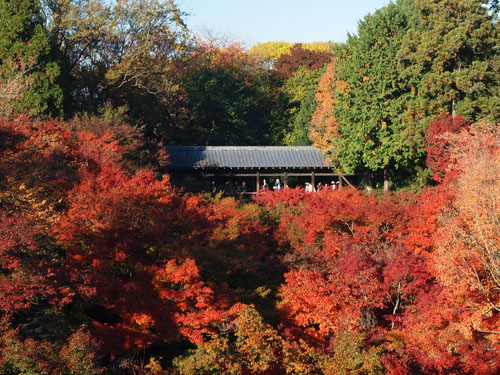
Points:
point(107, 268)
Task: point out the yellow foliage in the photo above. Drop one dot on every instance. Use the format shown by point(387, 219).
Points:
point(154, 367)
point(272, 51)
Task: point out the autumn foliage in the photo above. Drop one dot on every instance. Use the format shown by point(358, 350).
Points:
point(107, 268)
point(323, 125)
point(467, 250)
point(438, 153)
point(103, 250)
point(287, 64)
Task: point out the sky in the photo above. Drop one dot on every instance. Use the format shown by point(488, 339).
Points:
point(258, 21)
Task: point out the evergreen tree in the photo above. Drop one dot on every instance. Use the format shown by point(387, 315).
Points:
point(371, 109)
point(224, 109)
point(457, 54)
point(25, 59)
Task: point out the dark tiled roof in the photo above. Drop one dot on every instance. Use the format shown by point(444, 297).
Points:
point(245, 157)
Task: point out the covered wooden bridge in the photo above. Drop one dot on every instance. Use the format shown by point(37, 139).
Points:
point(293, 165)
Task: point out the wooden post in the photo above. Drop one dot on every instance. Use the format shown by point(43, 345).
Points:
point(258, 182)
point(285, 181)
point(312, 180)
point(340, 181)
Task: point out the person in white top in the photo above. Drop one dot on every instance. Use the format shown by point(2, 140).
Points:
point(277, 184)
point(309, 188)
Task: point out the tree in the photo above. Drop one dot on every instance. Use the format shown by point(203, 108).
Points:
point(300, 90)
point(344, 246)
point(287, 64)
point(229, 98)
point(373, 132)
point(467, 259)
point(455, 52)
point(224, 110)
point(410, 62)
point(29, 75)
point(451, 322)
point(126, 253)
point(119, 53)
point(355, 278)
point(77, 355)
point(38, 166)
point(26, 265)
point(300, 132)
point(298, 74)
point(255, 348)
point(14, 83)
point(323, 127)
point(270, 52)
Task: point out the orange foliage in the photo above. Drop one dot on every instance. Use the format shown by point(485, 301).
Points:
point(121, 233)
point(26, 273)
point(401, 283)
point(347, 265)
point(37, 162)
point(37, 168)
point(424, 219)
point(324, 127)
point(231, 58)
point(454, 322)
point(467, 259)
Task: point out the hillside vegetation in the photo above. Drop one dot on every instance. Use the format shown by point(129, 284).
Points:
point(106, 269)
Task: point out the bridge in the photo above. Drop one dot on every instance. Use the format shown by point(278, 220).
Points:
point(294, 165)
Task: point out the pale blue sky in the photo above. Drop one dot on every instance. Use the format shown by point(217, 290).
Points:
point(256, 21)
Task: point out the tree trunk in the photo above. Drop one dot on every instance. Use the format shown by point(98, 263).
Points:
point(369, 180)
point(386, 180)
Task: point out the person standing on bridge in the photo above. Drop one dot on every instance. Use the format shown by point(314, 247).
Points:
point(265, 186)
point(277, 184)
